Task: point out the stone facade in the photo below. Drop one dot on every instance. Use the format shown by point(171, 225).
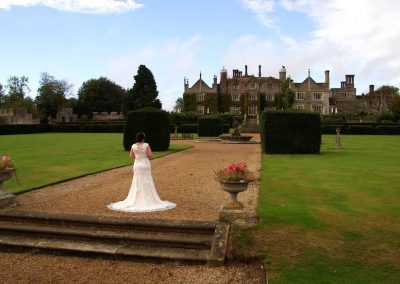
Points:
point(378, 101)
point(310, 95)
point(66, 115)
point(17, 116)
point(241, 94)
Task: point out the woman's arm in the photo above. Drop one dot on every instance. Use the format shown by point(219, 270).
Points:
point(132, 154)
point(149, 152)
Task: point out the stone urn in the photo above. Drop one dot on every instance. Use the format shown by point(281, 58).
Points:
point(234, 188)
point(6, 198)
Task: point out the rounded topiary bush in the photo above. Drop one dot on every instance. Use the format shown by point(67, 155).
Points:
point(209, 126)
point(153, 122)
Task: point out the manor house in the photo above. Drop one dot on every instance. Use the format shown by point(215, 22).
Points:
point(249, 95)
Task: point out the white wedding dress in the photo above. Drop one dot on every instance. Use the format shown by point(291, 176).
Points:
point(142, 196)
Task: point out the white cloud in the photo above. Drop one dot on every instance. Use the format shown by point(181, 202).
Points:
point(252, 51)
point(78, 6)
point(262, 10)
point(360, 37)
point(169, 62)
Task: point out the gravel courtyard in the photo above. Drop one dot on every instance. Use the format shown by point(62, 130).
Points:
point(185, 178)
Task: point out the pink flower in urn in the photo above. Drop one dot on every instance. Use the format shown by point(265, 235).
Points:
point(235, 172)
point(6, 163)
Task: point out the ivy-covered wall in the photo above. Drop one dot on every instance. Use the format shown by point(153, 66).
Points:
point(190, 103)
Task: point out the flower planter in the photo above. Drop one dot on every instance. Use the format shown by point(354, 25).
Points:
point(234, 188)
point(6, 198)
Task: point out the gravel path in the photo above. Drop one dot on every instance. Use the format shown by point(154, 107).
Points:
point(185, 178)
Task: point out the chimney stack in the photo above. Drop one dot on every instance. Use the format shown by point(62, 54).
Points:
point(245, 70)
point(348, 79)
point(259, 71)
point(327, 77)
point(371, 90)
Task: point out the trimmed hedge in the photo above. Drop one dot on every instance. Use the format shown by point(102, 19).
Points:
point(188, 128)
point(209, 126)
point(153, 122)
point(361, 128)
point(8, 129)
point(286, 132)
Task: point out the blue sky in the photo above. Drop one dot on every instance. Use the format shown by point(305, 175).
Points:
point(78, 40)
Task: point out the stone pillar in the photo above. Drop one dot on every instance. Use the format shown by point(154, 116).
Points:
point(338, 139)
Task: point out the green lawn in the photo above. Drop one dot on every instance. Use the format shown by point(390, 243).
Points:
point(333, 217)
point(43, 159)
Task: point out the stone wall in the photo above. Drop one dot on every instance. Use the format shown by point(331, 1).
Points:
point(17, 116)
point(108, 115)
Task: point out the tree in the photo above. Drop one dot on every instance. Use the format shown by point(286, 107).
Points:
point(2, 95)
point(394, 103)
point(391, 90)
point(144, 91)
point(179, 105)
point(16, 95)
point(98, 95)
point(52, 95)
point(394, 107)
point(17, 89)
point(286, 98)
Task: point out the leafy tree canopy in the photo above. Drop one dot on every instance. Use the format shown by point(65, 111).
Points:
point(144, 91)
point(100, 95)
point(286, 98)
point(394, 91)
point(17, 89)
point(394, 107)
point(178, 105)
point(14, 95)
point(52, 95)
point(2, 95)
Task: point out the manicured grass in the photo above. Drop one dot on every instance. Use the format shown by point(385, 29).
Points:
point(332, 217)
point(43, 159)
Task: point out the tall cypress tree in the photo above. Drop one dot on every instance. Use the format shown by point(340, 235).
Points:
point(144, 91)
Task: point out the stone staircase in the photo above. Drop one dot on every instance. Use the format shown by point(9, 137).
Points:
point(148, 240)
point(250, 126)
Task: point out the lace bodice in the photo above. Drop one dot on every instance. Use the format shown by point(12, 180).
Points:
point(140, 151)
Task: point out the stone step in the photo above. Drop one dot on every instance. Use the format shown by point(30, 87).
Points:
point(167, 239)
point(250, 126)
point(108, 249)
point(187, 241)
point(66, 219)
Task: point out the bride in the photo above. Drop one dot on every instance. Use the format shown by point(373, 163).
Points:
point(142, 196)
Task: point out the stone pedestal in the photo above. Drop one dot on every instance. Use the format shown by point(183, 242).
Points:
point(232, 216)
point(6, 199)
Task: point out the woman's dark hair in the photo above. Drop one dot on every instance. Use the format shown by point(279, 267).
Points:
point(140, 136)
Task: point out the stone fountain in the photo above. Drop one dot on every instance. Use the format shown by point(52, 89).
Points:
point(236, 136)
